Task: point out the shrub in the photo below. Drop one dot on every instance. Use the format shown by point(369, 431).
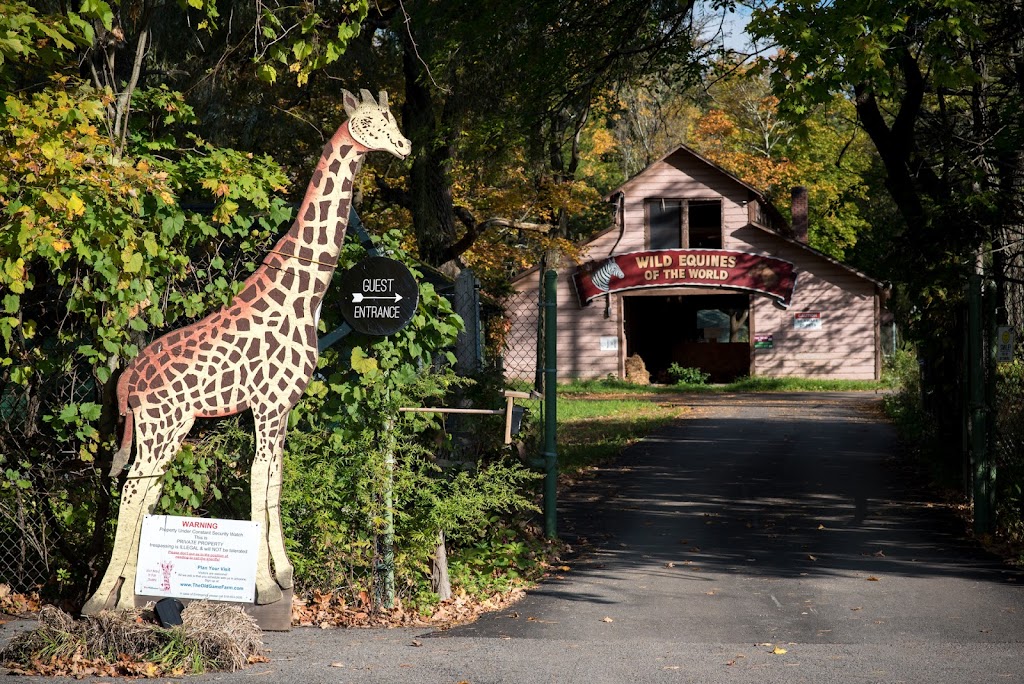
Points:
point(681, 375)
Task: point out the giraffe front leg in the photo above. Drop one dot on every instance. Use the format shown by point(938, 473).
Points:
point(266, 505)
point(283, 571)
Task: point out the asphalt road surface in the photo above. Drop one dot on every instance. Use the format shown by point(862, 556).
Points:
point(767, 538)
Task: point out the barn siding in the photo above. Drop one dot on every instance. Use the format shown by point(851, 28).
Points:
point(846, 347)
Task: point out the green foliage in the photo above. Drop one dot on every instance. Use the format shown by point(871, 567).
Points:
point(353, 461)
point(28, 39)
point(684, 375)
point(301, 39)
point(210, 475)
point(98, 254)
point(1009, 452)
point(501, 558)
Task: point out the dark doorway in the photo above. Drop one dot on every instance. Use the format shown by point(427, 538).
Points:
point(709, 332)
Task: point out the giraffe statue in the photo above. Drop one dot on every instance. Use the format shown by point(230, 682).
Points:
point(257, 353)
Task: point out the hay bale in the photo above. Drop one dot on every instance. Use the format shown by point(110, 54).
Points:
point(636, 371)
point(212, 636)
point(225, 634)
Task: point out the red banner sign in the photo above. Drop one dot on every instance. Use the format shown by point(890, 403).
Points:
point(719, 268)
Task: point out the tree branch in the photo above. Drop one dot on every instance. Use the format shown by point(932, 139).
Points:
point(474, 229)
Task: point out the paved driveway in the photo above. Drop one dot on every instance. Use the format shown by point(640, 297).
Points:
point(767, 538)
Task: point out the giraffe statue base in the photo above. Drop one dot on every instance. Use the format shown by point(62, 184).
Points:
point(271, 617)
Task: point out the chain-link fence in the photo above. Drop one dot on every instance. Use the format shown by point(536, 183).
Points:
point(26, 540)
point(518, 335)
point(522, 341)
point(1008, 400)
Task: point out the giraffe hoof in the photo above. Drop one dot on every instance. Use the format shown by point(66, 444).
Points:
point(284, 577)
point(268, 594)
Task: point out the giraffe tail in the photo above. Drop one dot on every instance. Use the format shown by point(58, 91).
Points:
point(124, 453)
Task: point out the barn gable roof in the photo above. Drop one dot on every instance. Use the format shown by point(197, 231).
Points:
point(756, 195)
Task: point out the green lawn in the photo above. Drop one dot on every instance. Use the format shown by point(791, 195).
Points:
point(596, 429)
point(597, 419)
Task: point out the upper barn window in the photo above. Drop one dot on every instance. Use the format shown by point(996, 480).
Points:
point(675, 223)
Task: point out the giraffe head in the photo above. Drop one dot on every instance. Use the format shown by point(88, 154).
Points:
point(371, 124)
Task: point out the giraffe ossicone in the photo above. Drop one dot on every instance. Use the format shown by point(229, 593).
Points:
point(257, 353)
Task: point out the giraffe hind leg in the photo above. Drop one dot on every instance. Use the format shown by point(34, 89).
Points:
point(156, 449)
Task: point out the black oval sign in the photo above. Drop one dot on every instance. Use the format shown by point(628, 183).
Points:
point(379, 296)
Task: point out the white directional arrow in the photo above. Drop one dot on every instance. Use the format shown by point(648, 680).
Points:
point(359, 296)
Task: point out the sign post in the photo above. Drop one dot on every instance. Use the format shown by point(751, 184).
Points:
point(379, 297)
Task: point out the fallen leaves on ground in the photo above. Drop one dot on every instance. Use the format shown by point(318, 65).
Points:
point(778, 650)
point(13, 603)
point(212, 637)
point(607, 619)
point(329, 611)
point(79, 667)
point(872, 579)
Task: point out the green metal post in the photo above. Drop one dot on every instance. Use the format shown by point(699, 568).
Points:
point(976, 400)
point(550, 404)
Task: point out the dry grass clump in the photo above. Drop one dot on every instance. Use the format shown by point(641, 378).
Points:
point(130, 643)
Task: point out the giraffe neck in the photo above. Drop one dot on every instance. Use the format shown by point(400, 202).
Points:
point(313, 243)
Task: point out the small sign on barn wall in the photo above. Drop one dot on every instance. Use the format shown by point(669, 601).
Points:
point(609, 343)
point(807, 320)
point(1005, 338)
point(764, 342)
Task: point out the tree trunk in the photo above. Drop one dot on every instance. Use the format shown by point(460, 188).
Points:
point(433, 215)
point(439, 582)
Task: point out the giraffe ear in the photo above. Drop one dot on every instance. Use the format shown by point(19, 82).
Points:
point(349, 101)
point(382, 99)
point(367, 97)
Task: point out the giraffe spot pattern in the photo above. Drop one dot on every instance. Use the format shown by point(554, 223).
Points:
point(253, 354)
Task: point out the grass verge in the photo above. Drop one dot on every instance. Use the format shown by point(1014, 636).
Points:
point(595, 429)
point(597, 419)
point(754, 384)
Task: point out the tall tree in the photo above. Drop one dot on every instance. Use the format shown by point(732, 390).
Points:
point(743, 130)
point(528, 76)
point(937, 87)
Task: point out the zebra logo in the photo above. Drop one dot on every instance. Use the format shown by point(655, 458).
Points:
point(601, 278)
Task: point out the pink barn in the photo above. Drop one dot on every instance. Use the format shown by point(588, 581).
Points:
point(700, 270)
